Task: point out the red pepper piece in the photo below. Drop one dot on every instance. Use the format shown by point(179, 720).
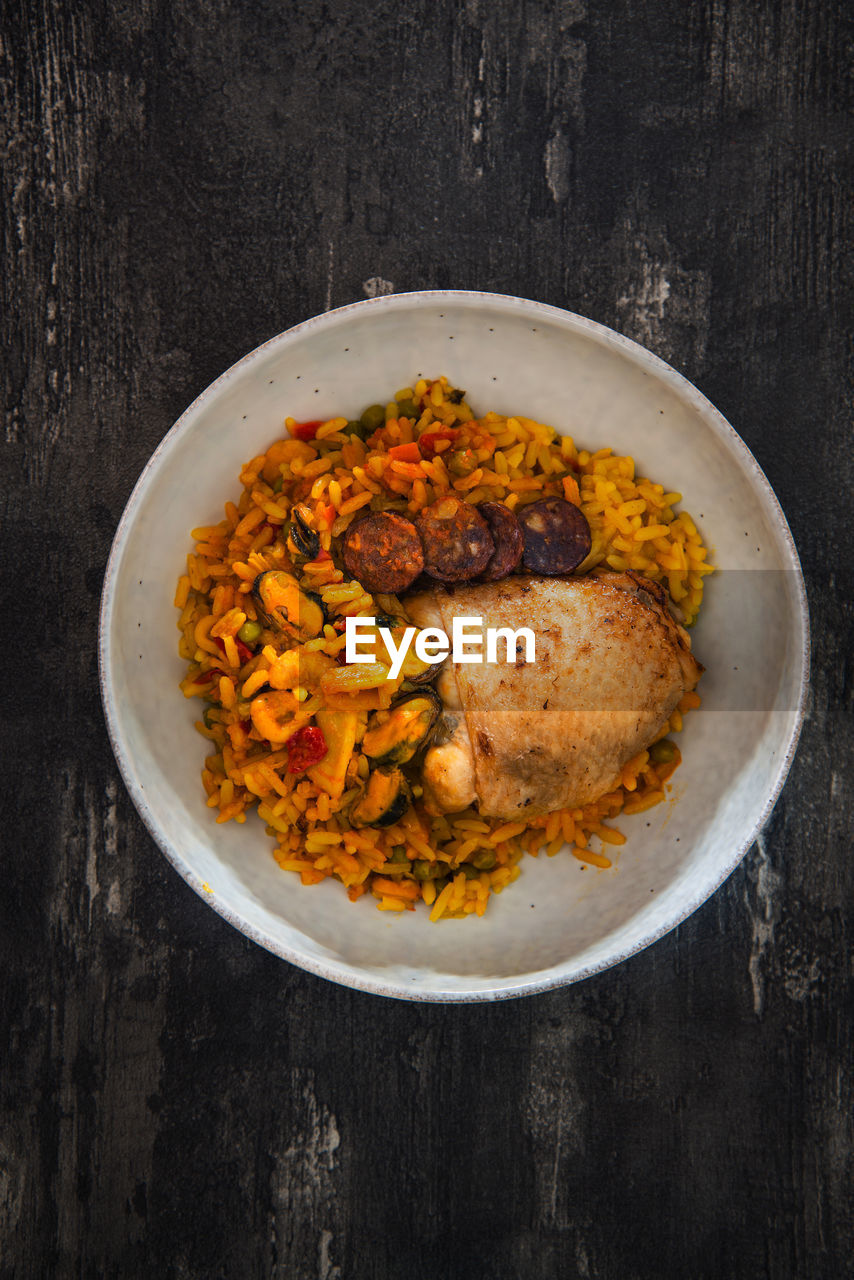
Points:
point(206, 676)
point(243, 652)
point(306, 430)
point(305, 748)
point(427, 443)
point(405, 452)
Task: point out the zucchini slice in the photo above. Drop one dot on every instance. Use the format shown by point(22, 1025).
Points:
point(339, 728)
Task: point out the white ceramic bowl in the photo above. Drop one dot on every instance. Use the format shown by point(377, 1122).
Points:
point(556, 924)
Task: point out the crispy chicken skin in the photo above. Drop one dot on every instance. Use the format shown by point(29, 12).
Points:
point(526, 738)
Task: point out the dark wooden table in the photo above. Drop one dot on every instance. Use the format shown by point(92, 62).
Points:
point(180, 182)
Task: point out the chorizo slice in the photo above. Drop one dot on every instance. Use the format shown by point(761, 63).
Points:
point(383, 552)
point(557, 536)
point(506, 533)
point(457, 542)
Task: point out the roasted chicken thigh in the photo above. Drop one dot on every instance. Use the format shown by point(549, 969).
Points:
point(523, 738)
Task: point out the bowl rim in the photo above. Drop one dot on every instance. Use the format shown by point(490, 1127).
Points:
point(342, 972)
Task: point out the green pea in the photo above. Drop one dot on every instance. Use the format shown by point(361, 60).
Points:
point(277, 484)
point(462, 462)
point(469, 871)
point(424, 869)
point(249, 632)
point(356, 428)
point(398, 853)
point(663, 752)
point(408, 409)
point(373, 417)
point(485, 859)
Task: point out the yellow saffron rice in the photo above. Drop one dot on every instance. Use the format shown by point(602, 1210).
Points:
point(452, 863)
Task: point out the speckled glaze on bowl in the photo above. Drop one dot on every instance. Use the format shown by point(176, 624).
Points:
point(557, 923)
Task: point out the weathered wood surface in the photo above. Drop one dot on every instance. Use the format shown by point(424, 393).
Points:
point(180, 182)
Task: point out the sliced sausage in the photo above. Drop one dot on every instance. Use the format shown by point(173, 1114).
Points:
point(557, 536)
point(383, 552)
point(507, 535)
point(456, 538)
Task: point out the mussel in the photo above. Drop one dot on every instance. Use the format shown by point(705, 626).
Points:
point(397, 734)
point(384, 801)
point(302, 540)
point(416, 672)
point(287, 607)
point(413, 670)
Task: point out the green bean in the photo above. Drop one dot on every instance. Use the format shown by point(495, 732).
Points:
point(398, 853)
